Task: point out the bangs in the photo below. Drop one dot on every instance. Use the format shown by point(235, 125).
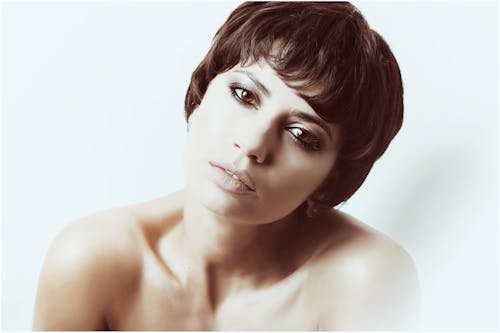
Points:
point(329, 55)
point(332, 62)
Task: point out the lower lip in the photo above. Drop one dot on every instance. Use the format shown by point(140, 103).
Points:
point(224, 180)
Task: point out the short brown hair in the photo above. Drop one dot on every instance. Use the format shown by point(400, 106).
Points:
point(325, 44)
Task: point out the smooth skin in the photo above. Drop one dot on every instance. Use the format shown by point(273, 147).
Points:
point(205, 258)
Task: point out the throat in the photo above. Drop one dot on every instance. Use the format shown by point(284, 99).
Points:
point(222, 258)
point(234, 246)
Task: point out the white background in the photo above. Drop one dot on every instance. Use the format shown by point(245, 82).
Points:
point(92, 117)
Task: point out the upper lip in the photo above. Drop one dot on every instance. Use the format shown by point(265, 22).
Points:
point(244, 177)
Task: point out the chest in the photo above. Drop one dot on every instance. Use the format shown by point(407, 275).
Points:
point(160, 303)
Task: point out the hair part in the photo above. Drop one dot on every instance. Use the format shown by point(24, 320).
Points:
point(318, 44)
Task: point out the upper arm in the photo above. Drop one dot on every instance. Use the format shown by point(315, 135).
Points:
point(379, 290)
point(78, 279)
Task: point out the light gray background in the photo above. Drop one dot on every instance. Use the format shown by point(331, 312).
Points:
point(92, 117)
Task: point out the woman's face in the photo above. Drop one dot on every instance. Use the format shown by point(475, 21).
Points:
point(256, 150)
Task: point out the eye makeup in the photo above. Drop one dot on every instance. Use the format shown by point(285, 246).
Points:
point(304, 138)
point(261, 87)
point(244, 94)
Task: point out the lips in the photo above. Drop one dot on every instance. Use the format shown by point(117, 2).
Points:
point(232, 171)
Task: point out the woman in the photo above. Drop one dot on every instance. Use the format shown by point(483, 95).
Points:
point(286, 115)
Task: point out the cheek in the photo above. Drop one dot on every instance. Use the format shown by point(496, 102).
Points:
point(304, 170)
point(206, 139)
point(292, 183)
point(211, 119)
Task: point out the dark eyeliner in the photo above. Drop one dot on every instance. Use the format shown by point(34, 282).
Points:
point(314, 145)
point(236, 85)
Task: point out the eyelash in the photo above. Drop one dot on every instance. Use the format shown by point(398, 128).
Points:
point(313, 145)
point(234, 87)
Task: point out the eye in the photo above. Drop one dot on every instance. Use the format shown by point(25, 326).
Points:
point(243, 96)
point(304, 138)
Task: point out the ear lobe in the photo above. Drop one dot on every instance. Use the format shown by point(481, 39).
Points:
point(318, 197)
point(311, 210)
point(316, 203)
point(321, 196)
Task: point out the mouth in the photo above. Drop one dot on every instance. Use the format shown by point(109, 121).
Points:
point(232, 179)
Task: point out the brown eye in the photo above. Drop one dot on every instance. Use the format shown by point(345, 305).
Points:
point(243, 95)
point(304, 138)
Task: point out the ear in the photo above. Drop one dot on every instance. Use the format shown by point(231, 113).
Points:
point(312, 209)
point(316, 202)
point(318, 197)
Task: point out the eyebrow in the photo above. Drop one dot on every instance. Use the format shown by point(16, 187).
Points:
point(297, 113)
point(256, 81)
point(313, 119)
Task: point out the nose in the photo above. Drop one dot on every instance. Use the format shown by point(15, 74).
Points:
point(255, 142)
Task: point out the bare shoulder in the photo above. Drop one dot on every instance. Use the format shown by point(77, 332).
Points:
point(345, 238)
point(368, 281)
point(371, 246)
point(94, 265)
point(87, 264)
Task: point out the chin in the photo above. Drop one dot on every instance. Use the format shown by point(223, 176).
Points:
point(225, 205)
point(203, 192)
point(241, 209)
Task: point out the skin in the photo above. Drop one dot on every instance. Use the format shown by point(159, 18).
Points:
point(208, 259)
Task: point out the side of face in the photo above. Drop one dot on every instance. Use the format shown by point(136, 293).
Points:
point(249, 118)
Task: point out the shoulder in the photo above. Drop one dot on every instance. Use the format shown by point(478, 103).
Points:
point(367, 282)
point(346, 238)
point(113, 240)
point(87, 264)
point(104, 241)
point(95, 264)
point(372, 249)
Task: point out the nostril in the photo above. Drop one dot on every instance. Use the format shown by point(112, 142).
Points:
point(256, 158)
point(257, 155)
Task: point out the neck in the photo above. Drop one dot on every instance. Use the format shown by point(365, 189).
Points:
point(221, 256)
point(224, 243)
